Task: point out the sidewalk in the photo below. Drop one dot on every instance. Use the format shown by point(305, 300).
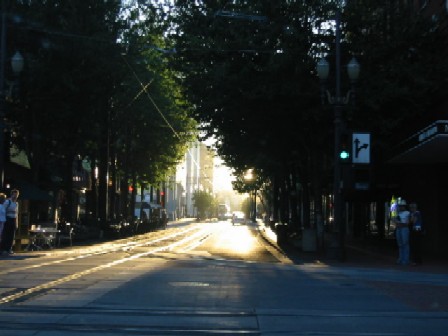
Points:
point(361, 253)
point(420, 288)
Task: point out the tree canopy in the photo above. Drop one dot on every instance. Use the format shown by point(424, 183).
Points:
point(95, 89)
point(249, 69)
point(124, 84)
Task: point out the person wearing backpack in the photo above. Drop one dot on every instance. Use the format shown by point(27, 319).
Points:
point(416, 234)
point(11, 208)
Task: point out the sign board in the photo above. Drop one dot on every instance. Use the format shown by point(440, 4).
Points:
point(361, 148)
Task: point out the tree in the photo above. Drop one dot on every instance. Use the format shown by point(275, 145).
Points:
point(73, 67)
point(248, 68)
point(204, 203)
point(404, 66)
point(152, 120)
point(250, 76)
point(74, 106)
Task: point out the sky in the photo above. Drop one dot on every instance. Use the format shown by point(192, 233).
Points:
point(222, 176)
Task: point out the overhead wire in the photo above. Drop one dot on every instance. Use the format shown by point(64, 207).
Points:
point(139, 94)
point(144, 90)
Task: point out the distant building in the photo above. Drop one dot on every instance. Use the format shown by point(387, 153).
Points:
point(195, 172)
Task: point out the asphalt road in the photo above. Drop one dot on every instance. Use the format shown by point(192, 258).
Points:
point(209, 279)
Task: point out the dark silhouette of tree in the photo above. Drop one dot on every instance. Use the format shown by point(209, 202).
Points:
point(82, 98)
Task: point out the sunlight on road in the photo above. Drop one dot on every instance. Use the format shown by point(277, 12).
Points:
point(270, 234)
point(237, 239)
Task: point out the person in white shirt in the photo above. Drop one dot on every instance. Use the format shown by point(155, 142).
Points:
point(11, 208)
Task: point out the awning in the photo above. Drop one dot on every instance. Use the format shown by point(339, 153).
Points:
point(29, 191)
point(428, 146)
point(146, 205)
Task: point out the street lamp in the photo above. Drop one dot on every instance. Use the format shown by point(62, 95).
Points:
point(251, 178)
point(338, 102)
point(17, 63)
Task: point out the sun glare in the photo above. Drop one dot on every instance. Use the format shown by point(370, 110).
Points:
point(239, 240)
point(222, 176)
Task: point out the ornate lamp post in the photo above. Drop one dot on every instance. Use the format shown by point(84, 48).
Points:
point(17, 67)
point(250, 177)
point(338, 102)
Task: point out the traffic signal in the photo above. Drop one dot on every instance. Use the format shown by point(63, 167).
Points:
point(162, 198)
point(344, 155)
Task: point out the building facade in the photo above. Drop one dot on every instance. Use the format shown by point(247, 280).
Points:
point(417, 170)
point(194, 173)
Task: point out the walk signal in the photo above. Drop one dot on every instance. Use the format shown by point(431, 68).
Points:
point(344, 155)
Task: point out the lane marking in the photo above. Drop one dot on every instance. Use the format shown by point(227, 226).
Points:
point(74, 276)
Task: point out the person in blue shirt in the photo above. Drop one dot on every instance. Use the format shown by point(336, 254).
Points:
point(416, 234)
point(2, 213)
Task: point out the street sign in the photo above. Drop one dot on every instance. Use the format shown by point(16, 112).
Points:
point(361, 148)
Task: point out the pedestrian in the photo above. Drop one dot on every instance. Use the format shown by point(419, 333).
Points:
point(416, 234)
point(402, 233)
point(11, 208)
point(2, 214)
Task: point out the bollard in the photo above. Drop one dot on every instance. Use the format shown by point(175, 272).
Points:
point(309, 240)
point(281, 230)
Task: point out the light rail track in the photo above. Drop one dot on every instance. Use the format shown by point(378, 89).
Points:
point(135, 248)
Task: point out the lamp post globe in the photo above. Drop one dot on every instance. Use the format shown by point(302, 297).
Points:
point(17, 63)
point(323, 69)
point(250, 177)
point(353, 69)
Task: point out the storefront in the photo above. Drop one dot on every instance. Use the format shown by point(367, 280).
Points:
point(420, 166)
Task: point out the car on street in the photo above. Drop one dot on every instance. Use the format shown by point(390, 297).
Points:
point(238, 217)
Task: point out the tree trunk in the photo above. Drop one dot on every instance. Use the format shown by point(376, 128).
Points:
point(295, 221)
point(275, 201)
point(103, 175)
